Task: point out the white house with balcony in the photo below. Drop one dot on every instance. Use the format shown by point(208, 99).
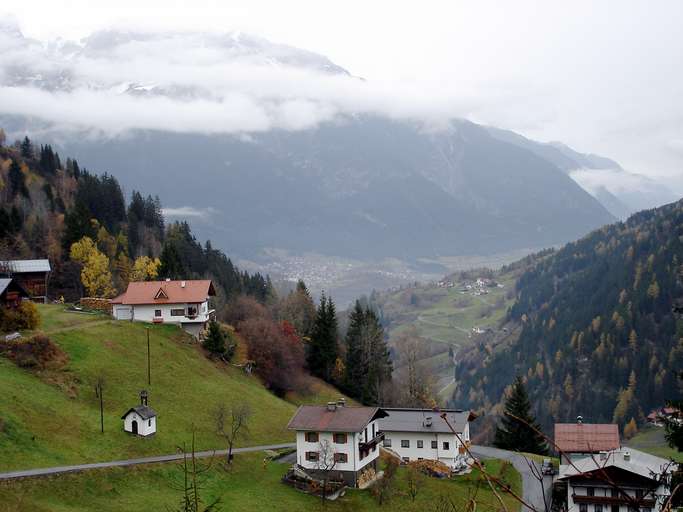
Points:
point(622, 480)
point(423, 434)
point(185, 303)
point(343, 441)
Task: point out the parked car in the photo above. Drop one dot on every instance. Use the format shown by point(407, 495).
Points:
point(547, 468)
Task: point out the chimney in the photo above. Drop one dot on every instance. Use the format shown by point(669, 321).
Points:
point(427, 422)
point(341, 402)
point(331, 406)
point(579, 420)
point(168, 279)
point(143, 397)
point(603, 455)
point(182, 284)
point(627, 456)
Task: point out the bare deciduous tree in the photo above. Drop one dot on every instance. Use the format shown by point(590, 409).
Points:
point(232, 424)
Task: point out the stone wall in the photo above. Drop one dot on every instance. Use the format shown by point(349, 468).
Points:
point(97, 303)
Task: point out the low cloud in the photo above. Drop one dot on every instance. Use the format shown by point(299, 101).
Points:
point(184, 212)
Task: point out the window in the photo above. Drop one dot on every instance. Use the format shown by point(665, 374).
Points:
point(373, 430)
point(312, 456)
point(646, 509)
point(366, 434)
point(420, 443)
point(615, 508)
point(157, 312)
point(639, 493)
point(405, 443)
point(387, 443)
point(590, 491)
point(446, 445)
point(406, 459)
point(420, 458)
point(340, 438)
point(341, 457)
point(191, 311)
point(435, 445)
point(149, 423)
point(311, 437)
point(583, 507)
point(615, 494)
point(597, 507)
point(177, 312)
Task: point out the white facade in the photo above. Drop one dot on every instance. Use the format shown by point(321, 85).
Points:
point(177, 313)
point(136, 424)
point(597, 494)
point(350, 448)
point(412, 446)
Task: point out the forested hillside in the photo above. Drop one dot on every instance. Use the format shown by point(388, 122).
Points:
point(48, 205)
point(598, 335)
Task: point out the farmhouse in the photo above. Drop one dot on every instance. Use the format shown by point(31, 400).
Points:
point(340, 440)
point(31, 275)
point(11, 293)
point(177, 302)
point(140, 420)
point(578, 440)
point(417, 434)
point(616, 481)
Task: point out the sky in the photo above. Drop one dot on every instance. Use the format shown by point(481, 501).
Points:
point(604, 77)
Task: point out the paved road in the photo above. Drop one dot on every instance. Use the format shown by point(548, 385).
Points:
point(132, 462)
point(532, 491)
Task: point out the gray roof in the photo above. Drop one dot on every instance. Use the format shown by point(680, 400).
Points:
point(413, 420)
point(143, 411)
point(4, 283)
point(638, 462)
point(23, 266)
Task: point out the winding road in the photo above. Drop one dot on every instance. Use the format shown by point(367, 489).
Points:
point(533, 492)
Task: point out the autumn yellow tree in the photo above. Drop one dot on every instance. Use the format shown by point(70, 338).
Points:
point(145, 269)
point(631, 429)
point(95, 273)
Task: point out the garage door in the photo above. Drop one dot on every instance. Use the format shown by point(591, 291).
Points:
point(123, 313)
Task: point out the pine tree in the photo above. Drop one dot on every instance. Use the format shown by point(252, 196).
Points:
point(215, 339)
point(368, 365)
point(171, 265)
point(16, 180)
point(513, 434)
point(323, 349)
point(26, 148)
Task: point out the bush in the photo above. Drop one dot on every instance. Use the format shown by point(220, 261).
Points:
point(219, 342)
point(24, 317)
point(38, 353)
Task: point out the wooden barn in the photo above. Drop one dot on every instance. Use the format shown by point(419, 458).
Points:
point(31, 275)
point(11, 293)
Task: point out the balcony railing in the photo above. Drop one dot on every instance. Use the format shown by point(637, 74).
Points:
point(613, 500)
point(368, 445)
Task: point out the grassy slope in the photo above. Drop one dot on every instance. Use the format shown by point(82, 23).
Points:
point(651, 440)
point(53, 418)
point(248, 487)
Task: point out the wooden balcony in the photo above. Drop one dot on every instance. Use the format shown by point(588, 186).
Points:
point(617, 500)
point(369, 445)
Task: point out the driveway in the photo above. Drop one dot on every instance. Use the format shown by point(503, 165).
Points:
point(533, 492)
point(132, 462)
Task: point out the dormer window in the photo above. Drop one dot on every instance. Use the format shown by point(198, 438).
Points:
point(161, 294)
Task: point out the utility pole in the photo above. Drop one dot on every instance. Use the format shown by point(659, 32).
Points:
point(149, 371)
point(98, 391)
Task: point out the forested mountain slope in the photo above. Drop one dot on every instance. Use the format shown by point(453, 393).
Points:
point(47, 204)
point(598, 335)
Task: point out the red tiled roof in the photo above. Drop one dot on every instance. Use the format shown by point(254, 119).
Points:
point(343, 419)
point(586, 437)
point(172, 292)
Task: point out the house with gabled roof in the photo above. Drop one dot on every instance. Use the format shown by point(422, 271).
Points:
point(185, 303)
point(342, 441)
point(579, 440)
point(622, 480)
point(427, 434)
